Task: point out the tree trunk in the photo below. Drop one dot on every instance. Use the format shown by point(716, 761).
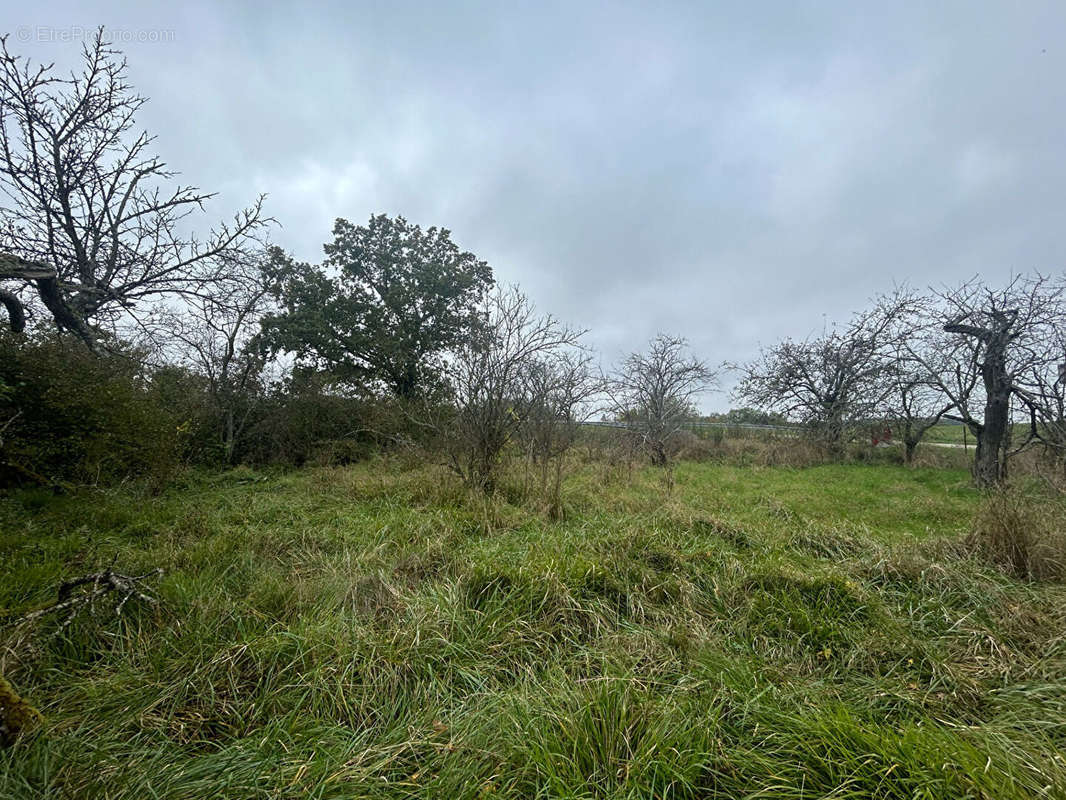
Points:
point(16, 312)
point(658, 454)
point(834, 433)
point(66, 319)
point(993, 433)
point(405, 381)
point(909, 446)
point(990, 463)
point(989, 467)
point(228, 438)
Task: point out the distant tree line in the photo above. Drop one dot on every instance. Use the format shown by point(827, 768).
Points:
point(748, 416)
point(992, 359)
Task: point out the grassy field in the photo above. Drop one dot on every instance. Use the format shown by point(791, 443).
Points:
point(958, 434)
point(949, 434)
point(372, 631)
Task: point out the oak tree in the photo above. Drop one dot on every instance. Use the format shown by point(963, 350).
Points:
point(389, 300)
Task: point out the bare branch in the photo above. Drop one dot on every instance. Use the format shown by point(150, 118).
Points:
point(653, 393)
point(495, 383)
point(87, 211)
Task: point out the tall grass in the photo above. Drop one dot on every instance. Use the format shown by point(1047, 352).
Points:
point(1023, 534)
point(374, 631)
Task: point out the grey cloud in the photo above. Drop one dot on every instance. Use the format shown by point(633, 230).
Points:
point(732, 175)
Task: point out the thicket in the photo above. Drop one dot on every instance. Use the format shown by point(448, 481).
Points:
point(69, 417)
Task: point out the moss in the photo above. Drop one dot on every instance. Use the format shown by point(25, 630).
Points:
point(16, 715)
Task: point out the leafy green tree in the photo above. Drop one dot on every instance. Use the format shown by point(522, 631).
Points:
point(389, 299)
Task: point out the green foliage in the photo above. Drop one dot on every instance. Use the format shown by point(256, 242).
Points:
point(388, 300)
point(75, 417)
point(353, 632)
point(183, 395)
point(306, 420)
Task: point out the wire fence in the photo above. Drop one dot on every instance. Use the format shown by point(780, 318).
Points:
point(705, 429)
point(740, 430)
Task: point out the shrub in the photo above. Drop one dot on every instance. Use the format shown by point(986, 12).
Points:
point(74, 417)
point(183, 395)
point(305, 421)
point(691, 447)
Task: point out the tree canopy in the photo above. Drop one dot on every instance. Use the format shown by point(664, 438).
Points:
point(389, 299)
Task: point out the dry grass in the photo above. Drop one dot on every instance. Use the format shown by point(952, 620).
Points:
point(1021, 533)
point(751, 451)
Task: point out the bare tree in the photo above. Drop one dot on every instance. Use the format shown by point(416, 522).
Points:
point(89, 216)
point(1041, 391)
point(653, 393)
point(560, 387)
point(993, 341)
point(215, 334)
point(1044, 403)
point(831, 383)
point(914, 402)
point(493, 385)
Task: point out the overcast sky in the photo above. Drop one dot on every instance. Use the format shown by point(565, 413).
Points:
point(730, 174)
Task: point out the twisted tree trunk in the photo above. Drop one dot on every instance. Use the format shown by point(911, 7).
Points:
point(990, 462)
